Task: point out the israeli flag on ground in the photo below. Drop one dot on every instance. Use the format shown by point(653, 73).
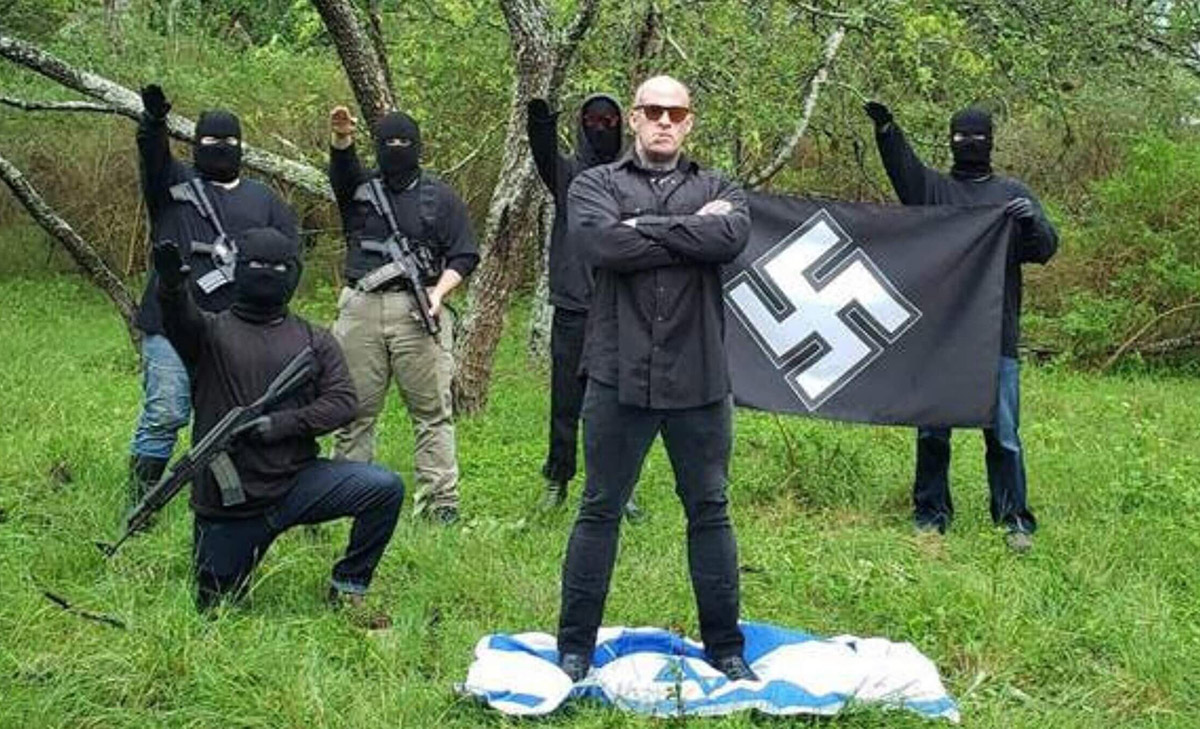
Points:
point(654, 672)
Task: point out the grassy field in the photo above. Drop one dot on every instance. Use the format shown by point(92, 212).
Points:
point(1098, 627)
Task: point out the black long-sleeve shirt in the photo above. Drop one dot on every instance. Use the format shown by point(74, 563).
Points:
point(250, 204)
point(231, 362)
point(657, 324)
point(1034, 241)
point(570, 276)
point(429, 212)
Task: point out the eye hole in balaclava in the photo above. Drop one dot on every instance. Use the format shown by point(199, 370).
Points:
point(267, 273)
point(600, 130)
point(217, 152)
point(398, 149)
point(971, 142)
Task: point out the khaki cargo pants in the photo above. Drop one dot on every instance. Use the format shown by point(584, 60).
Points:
point(382, 338)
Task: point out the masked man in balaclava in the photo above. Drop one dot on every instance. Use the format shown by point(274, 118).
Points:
point(379, 325)
point(971, 181)
point(203, 207)
point(232, 357)
point(597, 141)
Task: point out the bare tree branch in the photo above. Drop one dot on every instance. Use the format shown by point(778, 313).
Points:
point(564, 53)
point(1145, 328)
point(57, 105)
point(128, 103)
point(832, 44)
point(82, 252)
point(363, 65)
point(375, 31)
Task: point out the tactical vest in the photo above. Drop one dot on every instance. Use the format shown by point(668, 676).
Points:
point(212, 262)
point(364, 255)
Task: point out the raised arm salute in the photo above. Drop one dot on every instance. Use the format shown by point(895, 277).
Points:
point(971, 181)
point(202, 208)
point(409, 243)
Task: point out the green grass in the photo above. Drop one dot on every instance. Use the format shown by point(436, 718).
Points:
point(1097, 627)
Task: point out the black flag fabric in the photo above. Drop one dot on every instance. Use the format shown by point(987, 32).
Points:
point(869, 313)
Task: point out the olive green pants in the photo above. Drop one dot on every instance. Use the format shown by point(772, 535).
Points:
point(382, 338)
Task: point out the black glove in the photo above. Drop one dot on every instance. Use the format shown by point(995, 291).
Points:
point(880, 114)
point(539, 110)
point(1020, 208)
point(169, 265)
point(257, 430)
point(155, 102)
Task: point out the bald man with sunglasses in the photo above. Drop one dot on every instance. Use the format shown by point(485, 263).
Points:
point(656, 229)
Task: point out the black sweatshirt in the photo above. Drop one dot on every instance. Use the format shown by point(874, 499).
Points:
point(231, 362)
point(1034, 242)
point(657, 324)
point(570, 275)
point(250, 204)
point(444, 224)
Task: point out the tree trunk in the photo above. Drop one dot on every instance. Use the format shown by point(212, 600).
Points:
point(541, 315)
point(128, 103)
point(364, 66)
point(82, 252)
point(540, 66)
point(375, 31)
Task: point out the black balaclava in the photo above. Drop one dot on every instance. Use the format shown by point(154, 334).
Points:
point(399, 165)
point(221, 162)
point(972, 158)
point(598, 146)
point(261, 294)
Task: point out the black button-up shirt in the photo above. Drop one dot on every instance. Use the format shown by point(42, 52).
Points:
point(656, 327)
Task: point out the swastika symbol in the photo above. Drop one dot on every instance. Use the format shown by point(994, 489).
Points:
point(819, 308)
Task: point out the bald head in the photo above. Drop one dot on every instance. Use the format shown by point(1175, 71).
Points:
point(661, 119)
point(662, 88)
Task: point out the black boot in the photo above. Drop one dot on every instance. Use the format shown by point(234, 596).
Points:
point(144, 473)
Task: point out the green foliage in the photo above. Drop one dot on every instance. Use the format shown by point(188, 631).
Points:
point(1136, 254)
point(1095, 628)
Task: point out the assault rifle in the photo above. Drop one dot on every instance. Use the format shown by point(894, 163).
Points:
point(212, 452)
point(405, 262)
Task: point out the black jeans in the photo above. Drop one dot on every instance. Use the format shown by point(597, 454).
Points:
point(227, 550)
point(566, 392)
point(932, 505)
point(616, 438)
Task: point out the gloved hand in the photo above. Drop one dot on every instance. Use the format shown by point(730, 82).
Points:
point(880, 114)
point(257, 430)
point(169, 265)
point(1020, 208)
point(155, 102)
point(539, 110)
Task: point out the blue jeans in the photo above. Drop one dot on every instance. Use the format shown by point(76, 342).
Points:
point(226, 551)
point(166, 403)
point(1005, 460)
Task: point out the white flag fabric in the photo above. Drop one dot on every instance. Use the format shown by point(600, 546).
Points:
point(653, 672)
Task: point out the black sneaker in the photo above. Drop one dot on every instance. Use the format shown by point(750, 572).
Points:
point(575, 665)
point(444, 515)
point(735, 668)
point(553, 497)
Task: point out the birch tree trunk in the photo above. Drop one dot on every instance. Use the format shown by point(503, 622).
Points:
point(541, 61)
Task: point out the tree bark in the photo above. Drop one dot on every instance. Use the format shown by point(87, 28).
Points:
point(375, 31)
point(82, 252)
point(363, 65)
point(541, 64)
point(128, 103)
point(541, 315)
